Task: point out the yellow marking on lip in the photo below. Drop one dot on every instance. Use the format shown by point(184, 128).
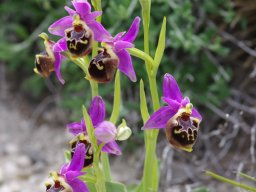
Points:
point(99, 67)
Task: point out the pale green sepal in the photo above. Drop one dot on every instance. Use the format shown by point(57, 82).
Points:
point(89, 128)
point(67, 156)
point(117, 99)
point(161, 45)
point(115, 187)
point(143, 103)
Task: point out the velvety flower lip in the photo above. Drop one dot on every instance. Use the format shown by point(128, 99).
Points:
point(105, 131)
point(72, 171)
point(172, 96)
point(83, 9)
point(120, 43)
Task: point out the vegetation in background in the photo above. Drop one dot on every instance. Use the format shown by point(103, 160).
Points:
point(192, 44)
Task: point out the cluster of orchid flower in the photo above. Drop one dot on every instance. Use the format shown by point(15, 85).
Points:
point(80, 34)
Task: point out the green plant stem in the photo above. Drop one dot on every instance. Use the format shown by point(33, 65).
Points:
point(142, 55)
point(150, 171)
point(100, 182)
point(226, 180)
point(104, 157)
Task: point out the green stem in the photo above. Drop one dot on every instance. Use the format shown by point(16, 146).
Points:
point(106, 166)
point(234, 183)
point(100, 182)
point(150, 172)
point(142, 55)
point(104, 157)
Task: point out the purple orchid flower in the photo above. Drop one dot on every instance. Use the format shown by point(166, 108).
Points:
point(67, 179)
point(50, 60)
point(105, 131)
point(179, 117)
point(83, 10)
point(120, 43)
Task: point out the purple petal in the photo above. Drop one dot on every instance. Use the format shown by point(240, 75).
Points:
point(77, 161)
point(105, 132)
point(133, 31)
point(58, 27)
point(159, 119)
point(97, 110)
point(92, 16)
point(64, 169)
point(120, 45)
point(172, 103)
point(71, 175)
point(78, 186)
point(83, 126)
point(82, 7)
point(57, 65)
point(125, 64)
point(196, 114)
point(70, 11)
point(100, 33)
point(171, 88)
point(75, 128)
point(61, 45)
point(119, 35)
point(112, 148)
point(185, 101)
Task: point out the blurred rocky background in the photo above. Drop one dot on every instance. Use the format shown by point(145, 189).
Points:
point(210, 50)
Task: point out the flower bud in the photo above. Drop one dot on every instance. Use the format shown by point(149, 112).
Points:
point(182, 129)
point(79, 38)
point(105, 132)
point(103, 66)
point(123, 132)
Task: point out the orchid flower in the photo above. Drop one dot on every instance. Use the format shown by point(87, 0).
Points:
point(105, 131)
point(179, 117)
point(115, 55)
point(78, 29)
point(67, 179)
point(49, 60)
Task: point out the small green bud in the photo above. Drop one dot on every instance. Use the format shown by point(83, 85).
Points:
point(123, 131)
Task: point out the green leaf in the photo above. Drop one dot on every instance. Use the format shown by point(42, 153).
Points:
point(90, 128)
point(115, 187)
point(117, 99)
point(161, 45)
point(146, 5)
point(143, 103)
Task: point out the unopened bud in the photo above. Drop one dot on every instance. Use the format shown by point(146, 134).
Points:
point(123, 131)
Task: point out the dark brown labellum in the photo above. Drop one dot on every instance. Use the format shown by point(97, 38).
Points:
point(89, 151)
point(44, 64)
point(181, 131)
point(102, 67)
point(79, 40)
